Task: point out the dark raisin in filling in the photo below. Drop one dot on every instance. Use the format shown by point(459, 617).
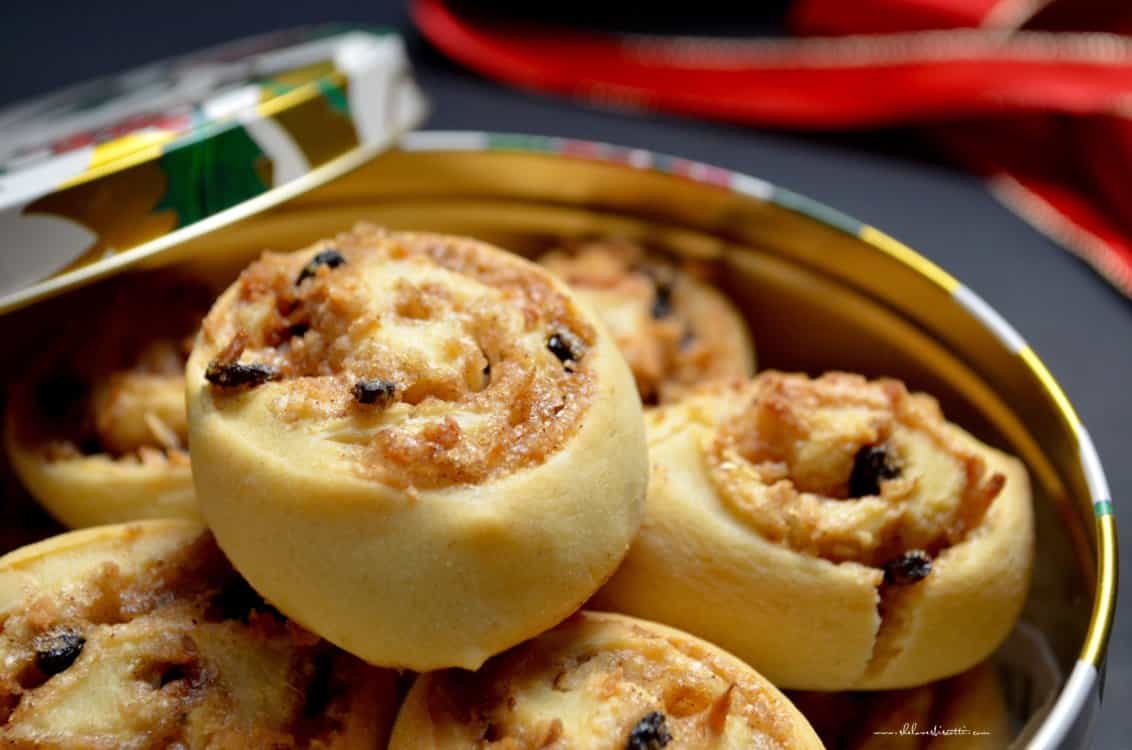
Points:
point(662, 302)
point(871, 464)
point(379, 392)
point(650, 733)
point(911, 567)
point(330, 258)
point(237, 375)
point(320, 690)
point(59, 396)
point(688, 340)
point(566, 346)
point(237, 600)
point(56, 652)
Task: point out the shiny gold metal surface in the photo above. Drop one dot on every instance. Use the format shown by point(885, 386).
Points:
point(820, 291)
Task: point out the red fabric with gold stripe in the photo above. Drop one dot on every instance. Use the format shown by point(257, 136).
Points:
point(1043, 114)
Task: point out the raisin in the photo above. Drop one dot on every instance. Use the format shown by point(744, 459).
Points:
point(237, 375)
point(911, 567)
point(662, 302)
point(650, 733)
point(237, 600)
point(320, 689)
point(58, 651)
point(566, 346)
point(374, 391)
point(871, 464)
point(330, 258)
point(688, 340)
point(58, 396)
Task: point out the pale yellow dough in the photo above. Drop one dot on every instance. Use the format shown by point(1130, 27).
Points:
point(84, 491)
point(591, 683)
point(742, 564)
point(461, 518)
point(167, 647)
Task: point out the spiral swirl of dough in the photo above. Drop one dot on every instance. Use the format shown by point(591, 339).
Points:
point(602, 681)
point(141, 636)
point(836, 533)
point(675, 330)
point(419, 446)
point(848, 469)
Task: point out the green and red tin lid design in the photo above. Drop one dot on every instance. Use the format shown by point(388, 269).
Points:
point(110, 167)
point(1032, 94)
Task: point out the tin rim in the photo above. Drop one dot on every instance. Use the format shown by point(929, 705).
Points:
point(1085, 679)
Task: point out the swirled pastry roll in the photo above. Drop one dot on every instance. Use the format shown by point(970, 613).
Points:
point(416, 445)
point(605, 682)
point(97, 432)
point(142, 636)
point(836, 533)
point(675, 330)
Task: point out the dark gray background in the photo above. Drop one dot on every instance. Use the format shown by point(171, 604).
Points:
point(1078, 325)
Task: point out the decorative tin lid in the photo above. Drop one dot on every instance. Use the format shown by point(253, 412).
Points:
point(96, 176)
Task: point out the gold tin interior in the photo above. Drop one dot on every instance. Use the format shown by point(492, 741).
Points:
point(820, 291)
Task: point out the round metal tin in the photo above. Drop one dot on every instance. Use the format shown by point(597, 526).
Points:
point(820, 289)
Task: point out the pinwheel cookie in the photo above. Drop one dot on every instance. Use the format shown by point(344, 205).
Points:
point(602, 681)
point(418, 446)
point(675, 330)
point(836, 533)
point(141, 636)
point(96, 430)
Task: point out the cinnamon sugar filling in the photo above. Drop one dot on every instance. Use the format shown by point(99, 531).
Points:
point(172, 651)
point(430, 361)
point(629, 686)
point(851, 470)
point(644, 300)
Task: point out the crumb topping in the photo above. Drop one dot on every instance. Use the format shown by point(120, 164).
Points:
point(607, 684)
point(182, 654)
point(670, 326)
point(850, 469)
point(429, 360)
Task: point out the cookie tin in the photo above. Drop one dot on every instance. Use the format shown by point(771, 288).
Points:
point(820, 290)
point(98, 176)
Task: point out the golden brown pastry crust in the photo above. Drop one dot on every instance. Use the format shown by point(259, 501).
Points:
point(142, 636)
point(97, 429)
point(602, 681)
point(675, 330)
point(387, 492)
point(824, 594)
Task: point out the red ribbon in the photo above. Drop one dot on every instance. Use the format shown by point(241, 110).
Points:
point(1040, 111)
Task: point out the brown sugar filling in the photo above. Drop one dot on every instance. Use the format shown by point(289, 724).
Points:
point(644, 301)
point(191, 654)
point(503, 386)
point(850, 470)
point(649, 690)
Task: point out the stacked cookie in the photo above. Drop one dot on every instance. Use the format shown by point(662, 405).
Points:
point(425, 454)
